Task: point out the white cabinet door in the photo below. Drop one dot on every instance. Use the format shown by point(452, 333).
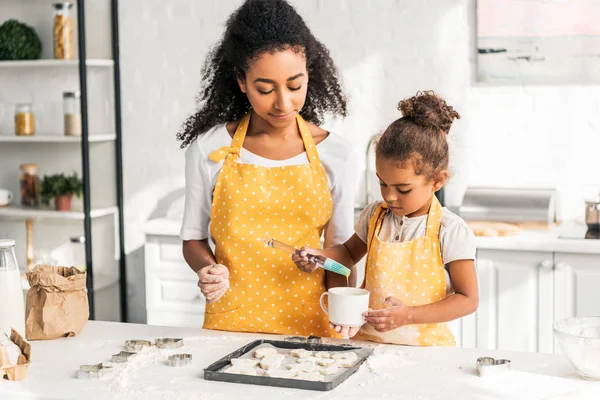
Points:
point(576, 286)
point(516, 292)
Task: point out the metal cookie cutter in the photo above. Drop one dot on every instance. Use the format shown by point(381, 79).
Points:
point(489, 366)
point(136, 345)
point(169, 343)
point(180, 360)
point(96, 371)
point(122, 357)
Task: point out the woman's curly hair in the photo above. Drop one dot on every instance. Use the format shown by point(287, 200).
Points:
point(257, 27)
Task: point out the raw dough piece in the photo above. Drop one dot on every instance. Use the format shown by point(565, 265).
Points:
point(345, 363)
point(245, 361)
point(348, 355)
point(331, 370)
point(309, 359)
point(300, 353)
point(326, 362)
point(264, 352)
point(270, 362)
point(322, 354)
point(241, 370)
point(281, 373)
point(305, 367)
point(310, 376)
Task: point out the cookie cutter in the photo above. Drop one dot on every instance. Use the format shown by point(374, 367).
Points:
point(180, 360)
point(95, 371)
point(122, 357)
point(490, 366)
point(136, 345)
point(169, 343)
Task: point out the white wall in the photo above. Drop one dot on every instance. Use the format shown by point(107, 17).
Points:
point(529, 136)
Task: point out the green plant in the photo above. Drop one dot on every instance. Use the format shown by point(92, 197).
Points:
point(19, 41)
point(60, 185)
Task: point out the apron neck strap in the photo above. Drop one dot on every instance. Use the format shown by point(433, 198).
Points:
point(434, 219)
point(307, 139)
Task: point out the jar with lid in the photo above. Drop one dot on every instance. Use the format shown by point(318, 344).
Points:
point(72, 113)
point(30, 186)
point(12, 304)
point(63, 31)
point(24, 121)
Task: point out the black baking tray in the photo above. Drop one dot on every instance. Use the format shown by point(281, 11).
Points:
point(213, 372)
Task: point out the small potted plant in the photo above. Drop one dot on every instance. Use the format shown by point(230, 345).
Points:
point(61, 188)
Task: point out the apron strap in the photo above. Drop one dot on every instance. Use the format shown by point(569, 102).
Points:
point(240, 134)
point(236, 143)
point(309, 142)
point(434, 219)
point(375, 224)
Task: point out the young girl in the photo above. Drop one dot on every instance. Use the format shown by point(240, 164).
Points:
point(420, 266)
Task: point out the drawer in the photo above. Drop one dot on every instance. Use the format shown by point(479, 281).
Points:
point(168, 292)
point(166, 257)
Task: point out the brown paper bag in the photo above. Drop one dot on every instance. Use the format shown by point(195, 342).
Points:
point(57, 302)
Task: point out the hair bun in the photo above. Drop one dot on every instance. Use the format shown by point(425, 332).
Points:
point(429, 110)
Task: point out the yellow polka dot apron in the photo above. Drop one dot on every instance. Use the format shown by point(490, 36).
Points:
point(413, 273)
point(268, 293)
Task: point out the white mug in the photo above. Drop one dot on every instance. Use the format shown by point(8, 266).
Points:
point(6, 197)
point(346, 306)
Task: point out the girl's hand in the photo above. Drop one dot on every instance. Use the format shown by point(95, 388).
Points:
point(347, 332)
point(213, 281)
point(302, 261)
point(389, 318)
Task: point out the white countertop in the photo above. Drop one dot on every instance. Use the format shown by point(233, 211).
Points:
point(524, 241)
point(391, 372)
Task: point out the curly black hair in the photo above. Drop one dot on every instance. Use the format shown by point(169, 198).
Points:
point(260, 26)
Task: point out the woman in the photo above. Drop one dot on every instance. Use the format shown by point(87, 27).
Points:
point(258, 165)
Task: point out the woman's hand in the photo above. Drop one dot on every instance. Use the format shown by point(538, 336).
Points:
point(213, 281)
point(386, 319)
point(302, 261)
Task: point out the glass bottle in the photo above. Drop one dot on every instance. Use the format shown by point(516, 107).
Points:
point(12, 303)
point(72, 113)
point(24, 121)
point(30, 185)
point(63, 31)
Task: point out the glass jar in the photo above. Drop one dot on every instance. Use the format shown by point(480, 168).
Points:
point(12, 303)
point(29, 183)
point(63, 31)
point(72, 111)
point(24, 121)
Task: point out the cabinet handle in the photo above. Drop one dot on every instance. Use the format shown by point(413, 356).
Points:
point(547, 264)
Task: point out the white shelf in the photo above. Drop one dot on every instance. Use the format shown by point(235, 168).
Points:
point(107, 137)
point(18, 212)
point(54, 63)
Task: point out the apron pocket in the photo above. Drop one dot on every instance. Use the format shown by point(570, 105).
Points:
point(316, 321)
point(232, 320)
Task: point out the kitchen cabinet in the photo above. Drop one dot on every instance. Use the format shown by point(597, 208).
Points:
point(172, 294)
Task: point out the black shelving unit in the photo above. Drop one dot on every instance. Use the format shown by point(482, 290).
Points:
point(85, 156)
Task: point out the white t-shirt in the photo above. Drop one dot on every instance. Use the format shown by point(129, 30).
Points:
point(457, 241)
point(201, 174)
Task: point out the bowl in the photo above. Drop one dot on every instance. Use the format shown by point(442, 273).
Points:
point(579, 340)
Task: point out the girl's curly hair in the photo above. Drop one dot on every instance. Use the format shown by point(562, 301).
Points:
point(257, 27)
point(420, 135)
